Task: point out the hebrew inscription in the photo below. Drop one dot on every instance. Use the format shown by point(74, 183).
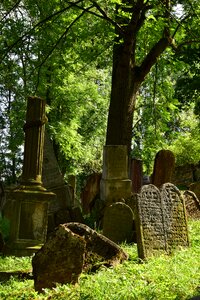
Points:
point(160, 220)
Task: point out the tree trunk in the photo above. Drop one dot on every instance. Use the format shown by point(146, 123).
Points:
point(123, 96)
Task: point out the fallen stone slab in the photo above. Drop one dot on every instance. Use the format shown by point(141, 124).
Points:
point(71, 249)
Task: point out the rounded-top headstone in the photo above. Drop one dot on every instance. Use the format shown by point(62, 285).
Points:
point(118, 222)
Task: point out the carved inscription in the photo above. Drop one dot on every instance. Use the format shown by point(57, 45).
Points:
point(149, 222)
point(160, 220)
point(174, 217)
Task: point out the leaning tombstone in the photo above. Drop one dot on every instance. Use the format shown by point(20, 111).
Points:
point(163, 167)
point(174, 215)
point(118, 223)
point(149, 222)
point(192, 205)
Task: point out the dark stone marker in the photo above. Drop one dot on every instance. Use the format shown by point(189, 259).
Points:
point(118, 222)
point(174, 216)
point(195, 188)
point(59, 260)
point(160, 218)
point(149, 222)
point(136, 175)
point(192, 205)
point(71, 249)
point(163, 167)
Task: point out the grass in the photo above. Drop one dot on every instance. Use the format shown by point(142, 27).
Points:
point(161, 278)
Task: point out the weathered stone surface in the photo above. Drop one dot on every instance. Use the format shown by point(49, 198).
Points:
point(163, 167)
point(59, 260)
point(30, 200)
point(149, 222)
point(118, 223)
point(99, 249)
point(71, 249)
point(160, 218)
point(136, 175)
point(192, 204)
point(195, 188)
point(174, 216)
point(115, 183)
point(90, 191)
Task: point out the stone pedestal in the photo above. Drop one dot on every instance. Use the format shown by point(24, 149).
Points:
point(115, 183)
point(29, 202)
point(29, 217)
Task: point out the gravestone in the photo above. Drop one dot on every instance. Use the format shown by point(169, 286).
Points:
point(163, 167)
point(115, 183)
point(136, 175)
point(174, 215)
point(195, 188)
point(149, 222)
point(90, 191)
point(192, 205)
point(160, 217)
point(54, 182)
point(71, 249)
point(118, 223)
point(30, 200)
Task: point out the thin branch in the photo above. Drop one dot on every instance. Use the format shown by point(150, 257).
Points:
point(59, 40)
point(39, 24)
point(12, 8)
point(107, 18)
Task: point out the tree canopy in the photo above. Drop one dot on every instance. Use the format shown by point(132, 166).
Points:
point(90, 59)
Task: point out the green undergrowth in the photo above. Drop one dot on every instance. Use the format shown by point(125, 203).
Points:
point(161, 278)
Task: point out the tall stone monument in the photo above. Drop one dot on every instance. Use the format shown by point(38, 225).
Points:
point(30, 200)
point(115, 183)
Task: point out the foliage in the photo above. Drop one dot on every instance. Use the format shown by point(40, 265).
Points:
point(163, 277)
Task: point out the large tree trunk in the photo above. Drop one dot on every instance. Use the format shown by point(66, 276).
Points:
point(123, 96)
point(127, 76)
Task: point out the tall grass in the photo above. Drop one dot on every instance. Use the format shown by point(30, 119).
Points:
point(161, 278)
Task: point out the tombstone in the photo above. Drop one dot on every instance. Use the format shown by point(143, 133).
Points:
point(115, 183)
point(53, 181)
point(136, 175)
point(118, 223)
point(163, 167)
point(71, 249)
point(30, 200)
point(160, 217)
point(195, 188)
point(90, 191)
point(174, 215)
point(192, 205)
point(149, 222)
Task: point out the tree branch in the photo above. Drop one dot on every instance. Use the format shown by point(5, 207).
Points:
point(11, 9)
point(152, 57)
point(39, 24)
point(59, 40)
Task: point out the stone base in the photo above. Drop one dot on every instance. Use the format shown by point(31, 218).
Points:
point(113, 190)
point(28, 218)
